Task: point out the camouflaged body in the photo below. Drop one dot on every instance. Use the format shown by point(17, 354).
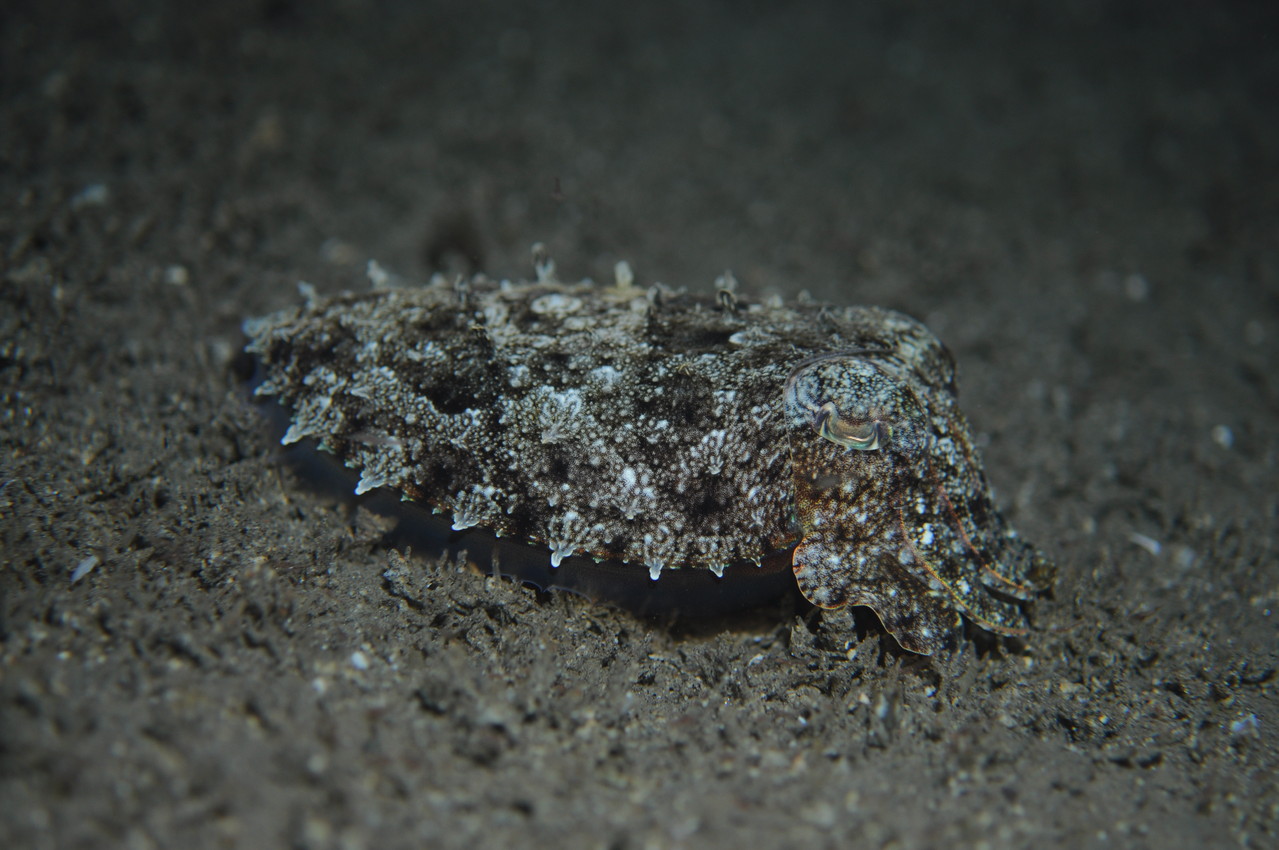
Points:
point(665, 430)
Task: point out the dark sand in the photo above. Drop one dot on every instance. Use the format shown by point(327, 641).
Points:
point(1080, 198)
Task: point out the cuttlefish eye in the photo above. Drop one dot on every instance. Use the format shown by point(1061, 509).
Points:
point(861, 435)
point(853, 403)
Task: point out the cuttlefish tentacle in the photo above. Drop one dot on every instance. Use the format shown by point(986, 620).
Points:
point(893, 508)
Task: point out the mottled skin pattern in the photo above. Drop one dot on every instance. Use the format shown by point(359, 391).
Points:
point(895, 510)
point(667, 430)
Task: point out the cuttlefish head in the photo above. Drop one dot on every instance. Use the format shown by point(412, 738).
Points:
point(893, 506)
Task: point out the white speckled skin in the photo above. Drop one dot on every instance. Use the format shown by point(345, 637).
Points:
point(665, 430)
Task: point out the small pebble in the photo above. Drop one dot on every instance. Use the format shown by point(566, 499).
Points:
point(83, 568)
point(1151, 545)
point(93, 195)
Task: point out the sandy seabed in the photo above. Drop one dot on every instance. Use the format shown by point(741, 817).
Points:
point(198, 647)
